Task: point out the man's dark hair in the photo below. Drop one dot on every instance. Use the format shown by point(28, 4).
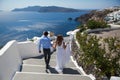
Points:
point(45, 33)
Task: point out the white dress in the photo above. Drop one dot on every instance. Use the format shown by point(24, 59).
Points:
point(67, 53)
point(62, 57)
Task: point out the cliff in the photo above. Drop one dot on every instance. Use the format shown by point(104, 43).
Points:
point(97, 15)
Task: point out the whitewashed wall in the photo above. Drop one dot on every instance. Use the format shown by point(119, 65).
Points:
point(10, 61)
point(115, 78)
point(28, 49)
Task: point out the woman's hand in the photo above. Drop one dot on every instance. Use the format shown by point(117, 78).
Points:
point(54, 45)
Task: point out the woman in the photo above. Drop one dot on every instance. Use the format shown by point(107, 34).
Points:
point(61, 53)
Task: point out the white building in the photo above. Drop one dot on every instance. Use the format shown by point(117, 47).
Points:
point(113, 17)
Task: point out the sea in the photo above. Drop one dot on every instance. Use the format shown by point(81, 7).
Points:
point(22, 25)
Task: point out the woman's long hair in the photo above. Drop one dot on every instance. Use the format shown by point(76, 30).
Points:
point(59, 40)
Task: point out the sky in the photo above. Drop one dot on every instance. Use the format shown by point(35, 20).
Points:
point(8, 5)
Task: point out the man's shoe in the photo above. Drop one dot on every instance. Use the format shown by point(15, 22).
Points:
point(46, 71)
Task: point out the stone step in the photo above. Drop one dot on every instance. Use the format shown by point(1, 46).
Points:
point(41, 69)
point(37, 68)
point(34, 61)
point(45, 76)
point(53, 57)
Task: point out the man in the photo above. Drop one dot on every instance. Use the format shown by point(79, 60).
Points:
point(45, 43)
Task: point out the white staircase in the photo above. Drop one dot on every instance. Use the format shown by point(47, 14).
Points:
point(34, 69)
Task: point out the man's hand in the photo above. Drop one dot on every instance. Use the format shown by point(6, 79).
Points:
point(39, 51)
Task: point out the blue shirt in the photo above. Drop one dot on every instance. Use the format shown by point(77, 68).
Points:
point(45, 42)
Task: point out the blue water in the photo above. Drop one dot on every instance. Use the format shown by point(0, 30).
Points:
point(21, 25)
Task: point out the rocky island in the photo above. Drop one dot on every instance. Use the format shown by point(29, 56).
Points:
point(46, 9)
